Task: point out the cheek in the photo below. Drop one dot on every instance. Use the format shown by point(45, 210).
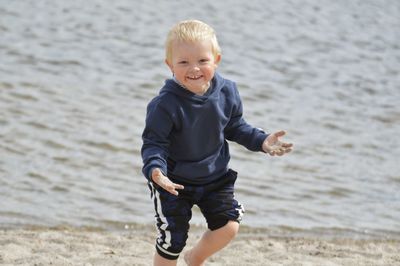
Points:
point(179, 74)
point(178, 70)
point(209, 70)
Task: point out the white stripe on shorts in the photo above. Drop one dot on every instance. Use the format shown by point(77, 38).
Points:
point(163, 227)
point(167, 252)
point(240, 210)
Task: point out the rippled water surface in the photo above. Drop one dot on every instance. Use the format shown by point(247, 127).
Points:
point(75, 78)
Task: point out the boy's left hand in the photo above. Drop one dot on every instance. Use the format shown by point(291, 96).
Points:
point(273, 146)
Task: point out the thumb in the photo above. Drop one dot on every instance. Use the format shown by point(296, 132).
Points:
point(280, 133)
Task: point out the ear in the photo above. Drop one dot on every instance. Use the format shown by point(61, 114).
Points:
point(217, 59)
point(169, 65)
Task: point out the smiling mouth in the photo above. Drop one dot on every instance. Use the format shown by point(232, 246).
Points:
point(194, 77)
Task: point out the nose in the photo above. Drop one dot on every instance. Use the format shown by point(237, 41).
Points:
point(195, 67)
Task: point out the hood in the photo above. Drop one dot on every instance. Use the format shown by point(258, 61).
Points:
point(171, 86)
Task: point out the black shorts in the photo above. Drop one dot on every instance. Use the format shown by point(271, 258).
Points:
point(173, 213)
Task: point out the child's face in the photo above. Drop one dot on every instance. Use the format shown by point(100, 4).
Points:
point(193, 64)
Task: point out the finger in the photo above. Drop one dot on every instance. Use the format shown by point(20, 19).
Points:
point(172, 188)
point(287, 145)
point(173, 192)
point(280, 133)
point(177, 186)
point(278, 147)
point(280, 152)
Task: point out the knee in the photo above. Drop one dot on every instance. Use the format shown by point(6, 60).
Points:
point(170, 244)
point(170, 251)
point(231, 229)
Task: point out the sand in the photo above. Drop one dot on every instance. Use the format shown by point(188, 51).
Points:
point(77, 246)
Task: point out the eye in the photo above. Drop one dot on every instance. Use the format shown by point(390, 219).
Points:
point(204, 60)
point(183, 62)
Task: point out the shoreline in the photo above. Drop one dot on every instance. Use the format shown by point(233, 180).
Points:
point(326, 233)
point(93, 246)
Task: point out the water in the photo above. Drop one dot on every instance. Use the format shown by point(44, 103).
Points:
point(75, 78)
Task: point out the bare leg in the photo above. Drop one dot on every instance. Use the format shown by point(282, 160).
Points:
point(160, 261)
point(210, 243)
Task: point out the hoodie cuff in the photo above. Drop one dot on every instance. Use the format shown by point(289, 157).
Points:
point(150, 168)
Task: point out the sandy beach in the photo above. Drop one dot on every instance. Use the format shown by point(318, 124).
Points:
point(75, 80)
point(72, 246)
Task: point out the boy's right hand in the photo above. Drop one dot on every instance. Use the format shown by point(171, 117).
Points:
point(164, 182)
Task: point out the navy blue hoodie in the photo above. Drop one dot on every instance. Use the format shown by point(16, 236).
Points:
point(185, 134)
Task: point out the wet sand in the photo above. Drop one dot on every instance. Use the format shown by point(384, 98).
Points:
point(72, 246)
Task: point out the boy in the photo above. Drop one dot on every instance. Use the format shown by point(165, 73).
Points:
point(185, 152)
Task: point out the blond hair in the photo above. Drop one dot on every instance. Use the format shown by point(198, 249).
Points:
point(191, 31)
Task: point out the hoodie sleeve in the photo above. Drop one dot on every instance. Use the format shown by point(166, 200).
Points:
point(155, 139)
point(240, 131)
